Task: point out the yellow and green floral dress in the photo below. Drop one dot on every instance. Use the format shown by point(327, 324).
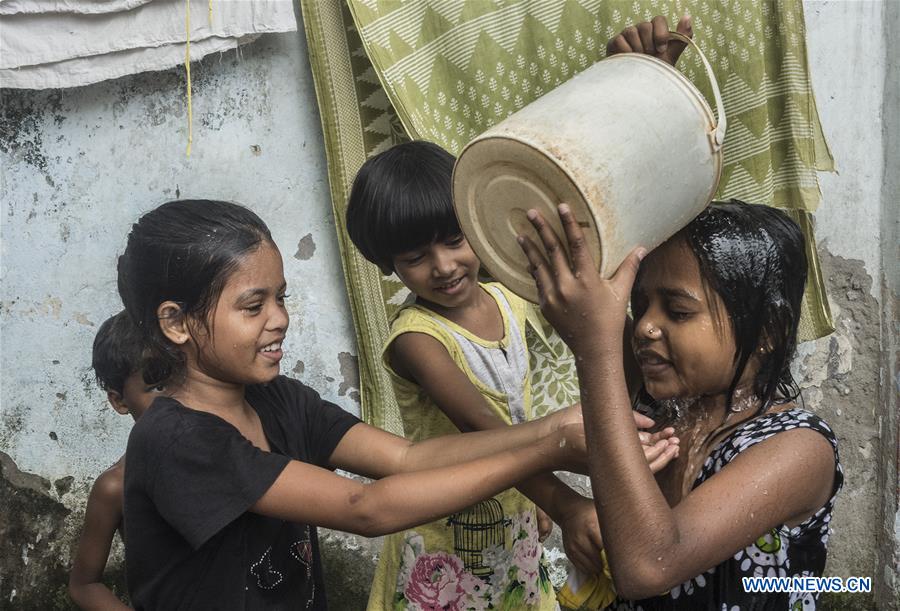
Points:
point(487, 556)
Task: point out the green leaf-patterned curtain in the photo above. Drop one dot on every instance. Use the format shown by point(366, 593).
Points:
point(446, 70)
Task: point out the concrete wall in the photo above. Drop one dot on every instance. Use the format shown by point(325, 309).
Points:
point(80, 165)
point(851, 375)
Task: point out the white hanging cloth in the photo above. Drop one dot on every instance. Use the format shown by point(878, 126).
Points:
point(67, 43)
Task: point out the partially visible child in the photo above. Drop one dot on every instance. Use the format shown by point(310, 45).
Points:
point(458, 360)
point(116, 361)
point(716, 310)
point(232, 471)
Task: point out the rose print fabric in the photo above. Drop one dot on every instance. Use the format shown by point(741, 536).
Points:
point(516, 576)
point(488, 556)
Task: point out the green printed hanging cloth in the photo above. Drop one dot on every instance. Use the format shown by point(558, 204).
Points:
point(446, 70)
point(357, 121)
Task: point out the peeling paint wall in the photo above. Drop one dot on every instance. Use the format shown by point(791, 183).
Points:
point(80, 165)
point(839, 375)
point(33, 534)
point(888, 559)
point(849, 378)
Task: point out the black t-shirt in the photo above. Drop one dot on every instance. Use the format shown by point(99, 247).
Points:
point(190, 478)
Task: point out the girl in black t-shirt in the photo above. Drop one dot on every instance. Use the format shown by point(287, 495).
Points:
point(228, 477)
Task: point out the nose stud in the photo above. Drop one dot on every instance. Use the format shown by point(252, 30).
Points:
point(651, 330)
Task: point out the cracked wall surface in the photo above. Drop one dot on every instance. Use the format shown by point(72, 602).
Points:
point(80, 165)
point(856, 226)
point(35, 539)
point(838, 376)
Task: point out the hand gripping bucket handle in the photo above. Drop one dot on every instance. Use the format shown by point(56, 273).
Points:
point(717, 134)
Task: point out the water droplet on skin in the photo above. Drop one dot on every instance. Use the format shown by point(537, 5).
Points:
point(742, 400)
point(674, 410)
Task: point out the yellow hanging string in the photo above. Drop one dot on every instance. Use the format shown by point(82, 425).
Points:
point(187, 69)
point(210, 13)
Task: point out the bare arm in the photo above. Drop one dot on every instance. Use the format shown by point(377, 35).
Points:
point(427, 362)
point(101, 520)
point(305, 493)
point(784, 479)
point(390, 454)
point(793, 469)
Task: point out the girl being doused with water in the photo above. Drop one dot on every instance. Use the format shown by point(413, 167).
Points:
point(716, 310)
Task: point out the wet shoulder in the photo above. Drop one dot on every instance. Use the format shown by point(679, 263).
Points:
point(764, 427)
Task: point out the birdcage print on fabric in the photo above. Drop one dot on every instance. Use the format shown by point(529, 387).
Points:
point(476, 528)
point(507, 573)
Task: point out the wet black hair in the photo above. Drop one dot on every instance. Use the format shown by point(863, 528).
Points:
point(183, 251)
point(754, 258)
point(116, 353)
point(401, 200)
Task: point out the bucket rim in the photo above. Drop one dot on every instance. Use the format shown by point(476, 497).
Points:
point(485, 257)
point(536, 147)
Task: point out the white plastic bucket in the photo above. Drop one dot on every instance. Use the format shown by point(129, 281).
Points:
point(630, 144)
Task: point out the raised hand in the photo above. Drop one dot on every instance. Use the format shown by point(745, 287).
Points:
point(652, 38)
point(587, 311)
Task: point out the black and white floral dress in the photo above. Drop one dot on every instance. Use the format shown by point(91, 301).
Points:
point(781, 552)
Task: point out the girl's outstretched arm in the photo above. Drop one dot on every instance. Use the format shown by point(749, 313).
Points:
point(310, 494)
point(426, 361)
point(372, 452)
point(652, 547)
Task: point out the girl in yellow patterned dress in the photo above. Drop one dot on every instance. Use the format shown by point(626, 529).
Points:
point(458, 359)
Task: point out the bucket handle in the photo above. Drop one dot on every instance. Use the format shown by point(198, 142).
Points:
point(717, 136)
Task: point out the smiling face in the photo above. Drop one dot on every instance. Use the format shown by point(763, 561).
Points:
point(246, 327)
point(443, 273)
point(683, 338)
